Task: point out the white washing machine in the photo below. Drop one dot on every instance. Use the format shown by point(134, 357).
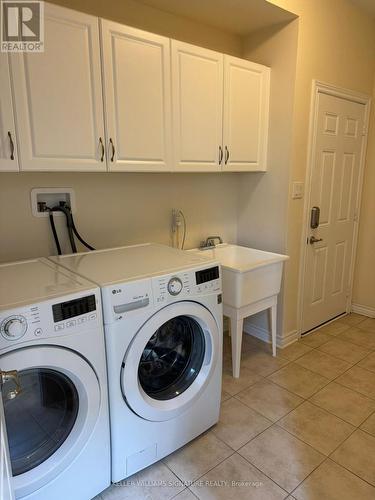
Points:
point(163, 330)
point(51, 333)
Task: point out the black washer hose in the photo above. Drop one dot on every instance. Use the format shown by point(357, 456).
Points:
point(69, 225)
point(72, 230)
point(78, 235)
point(54, 232)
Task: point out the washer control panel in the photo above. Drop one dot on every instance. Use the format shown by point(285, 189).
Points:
point(187, 284)
point(51, 318)
point(122, 300)
point(175, 286)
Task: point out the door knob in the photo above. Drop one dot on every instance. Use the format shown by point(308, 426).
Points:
point(313, 240)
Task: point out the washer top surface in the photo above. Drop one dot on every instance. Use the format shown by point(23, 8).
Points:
point(32, 281)
point(131, 263)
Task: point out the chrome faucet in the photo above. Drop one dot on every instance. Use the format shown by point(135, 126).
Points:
point(210, 242)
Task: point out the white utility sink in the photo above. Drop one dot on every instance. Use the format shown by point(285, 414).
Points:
point(251, 283)
point(249, 275)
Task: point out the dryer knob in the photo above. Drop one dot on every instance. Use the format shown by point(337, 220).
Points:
point(14, 327)
point(174, 286)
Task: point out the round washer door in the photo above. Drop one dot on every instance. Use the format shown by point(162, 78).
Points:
point(51, 420)
point(170, 361)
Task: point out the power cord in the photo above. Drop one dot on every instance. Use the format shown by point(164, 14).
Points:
point(185, 229)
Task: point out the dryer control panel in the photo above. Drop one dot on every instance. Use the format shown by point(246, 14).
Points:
point(51, 318)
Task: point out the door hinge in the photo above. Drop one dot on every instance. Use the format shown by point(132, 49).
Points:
point(355, 216)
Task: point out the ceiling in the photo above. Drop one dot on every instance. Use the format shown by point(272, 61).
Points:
point(366, 5)
point(240, 17)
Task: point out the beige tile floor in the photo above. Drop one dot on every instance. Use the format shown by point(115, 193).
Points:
point(299, 426)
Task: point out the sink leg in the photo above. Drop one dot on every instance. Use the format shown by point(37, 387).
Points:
point(273, 316)
point(236, 327)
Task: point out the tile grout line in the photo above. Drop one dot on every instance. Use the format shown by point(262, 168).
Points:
point(275, 423)
point(334, 415)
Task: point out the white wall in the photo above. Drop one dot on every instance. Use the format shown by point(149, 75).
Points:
point(263, 198)
point(336, 45)
point(118, 209)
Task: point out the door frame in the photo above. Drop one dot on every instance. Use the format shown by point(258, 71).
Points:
point(319, 87)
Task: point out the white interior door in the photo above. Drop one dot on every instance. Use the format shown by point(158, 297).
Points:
point(338, 138)
point(8, 149)
point(58, 96)
point(6, 487)
point(246, 105)
point(137, 98)
point(197, 96)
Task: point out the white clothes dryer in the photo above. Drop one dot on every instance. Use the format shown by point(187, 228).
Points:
point(54, 390)
point(163, 330)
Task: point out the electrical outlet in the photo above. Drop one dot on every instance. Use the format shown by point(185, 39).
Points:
point(51, 197)
point(176, 219)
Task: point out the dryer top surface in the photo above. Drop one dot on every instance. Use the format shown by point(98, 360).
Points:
point(33, 281)
point(131, 263)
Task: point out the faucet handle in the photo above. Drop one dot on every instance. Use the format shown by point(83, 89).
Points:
point(211, 240)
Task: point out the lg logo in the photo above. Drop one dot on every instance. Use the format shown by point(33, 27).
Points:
point(118, 290)
point(22, 27)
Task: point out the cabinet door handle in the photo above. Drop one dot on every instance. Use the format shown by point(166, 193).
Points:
point(11, 146)
point(113, 149)
point(102, 148)
point(226, 155)
point(220, 155)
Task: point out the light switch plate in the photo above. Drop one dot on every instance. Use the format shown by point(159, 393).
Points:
point(297, 191)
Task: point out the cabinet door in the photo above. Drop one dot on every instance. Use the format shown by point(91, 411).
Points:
point(8, 150)
point(197, 92)
point(58, 96)
point(137, 98)
point(246, 103)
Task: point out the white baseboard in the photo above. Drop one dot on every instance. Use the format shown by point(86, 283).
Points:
point(364, 310)
point(264, 335)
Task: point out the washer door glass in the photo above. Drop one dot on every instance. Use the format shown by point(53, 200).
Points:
point(172, 358)
point(40, 418)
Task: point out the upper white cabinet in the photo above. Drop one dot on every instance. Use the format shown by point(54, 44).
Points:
point(220, 111)
point(104, 96)
point(245, 124)
point(58, 96)
point(136, 68)
point(8, 141)
point(197, 97)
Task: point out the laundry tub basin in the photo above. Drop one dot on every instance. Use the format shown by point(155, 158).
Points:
point(249, 275)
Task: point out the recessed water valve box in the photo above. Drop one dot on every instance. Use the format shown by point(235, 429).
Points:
point(51, 197)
